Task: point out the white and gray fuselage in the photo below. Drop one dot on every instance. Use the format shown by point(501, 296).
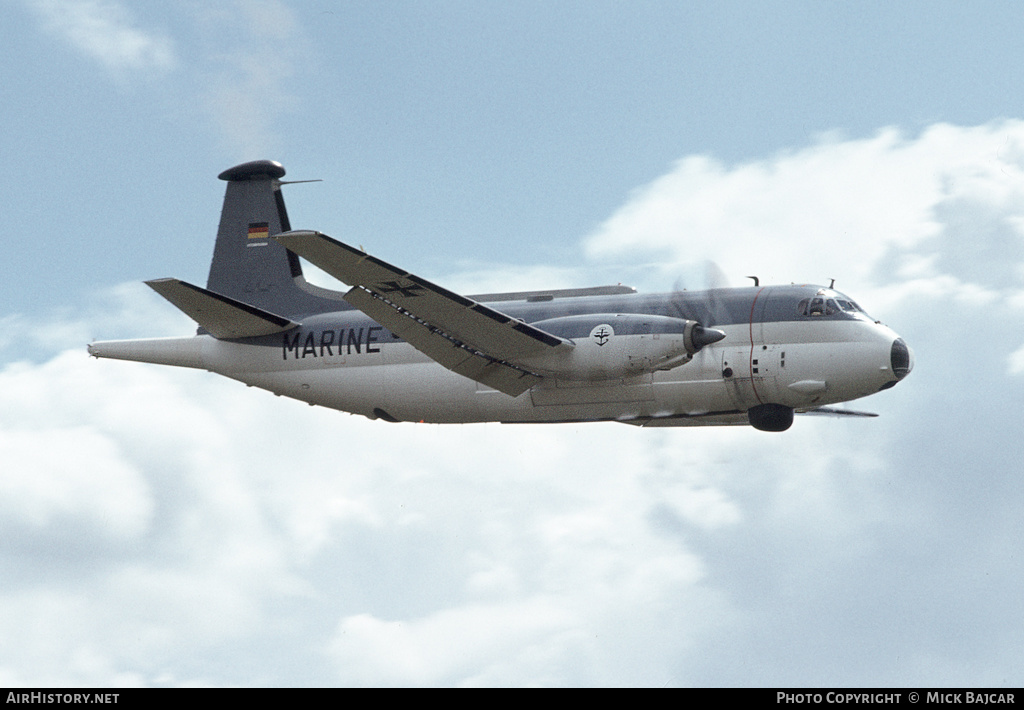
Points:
point(801, 347)
point(398, 347)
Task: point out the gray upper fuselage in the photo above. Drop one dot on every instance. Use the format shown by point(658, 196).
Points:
point(713, 308)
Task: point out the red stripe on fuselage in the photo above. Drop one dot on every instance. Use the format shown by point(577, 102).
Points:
point(750, 362)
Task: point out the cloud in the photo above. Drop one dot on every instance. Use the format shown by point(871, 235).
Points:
point(44, 489)
point(222, 520)
point(124, 536)
point(1017, 361)
point(946, 203)
point(207, 505)
point(105, 31)
point(237, 56)
point(169, 527)
point(251, 49)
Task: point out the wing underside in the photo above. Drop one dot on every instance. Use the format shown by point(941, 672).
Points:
point(446, 351)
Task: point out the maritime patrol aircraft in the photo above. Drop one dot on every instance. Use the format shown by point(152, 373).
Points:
point(400, 348)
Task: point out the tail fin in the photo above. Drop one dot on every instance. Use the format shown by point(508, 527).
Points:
point(247, 265)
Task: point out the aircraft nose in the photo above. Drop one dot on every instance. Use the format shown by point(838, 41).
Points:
point(901, 358)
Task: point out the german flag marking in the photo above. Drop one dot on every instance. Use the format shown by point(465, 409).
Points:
point(259, 230)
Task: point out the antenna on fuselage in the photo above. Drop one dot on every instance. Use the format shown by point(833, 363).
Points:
point(832, 284)
point(757, 281)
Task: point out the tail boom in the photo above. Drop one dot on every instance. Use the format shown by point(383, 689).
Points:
point(179, 352)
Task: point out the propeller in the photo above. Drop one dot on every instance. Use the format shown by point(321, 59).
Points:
point(704, 306)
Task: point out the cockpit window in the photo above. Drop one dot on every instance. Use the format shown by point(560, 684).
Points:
point(812, 306)
point(827, 303)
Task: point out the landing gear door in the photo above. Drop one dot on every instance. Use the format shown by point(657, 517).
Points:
point(737, 377)
point(751, 375)
point(768, 363)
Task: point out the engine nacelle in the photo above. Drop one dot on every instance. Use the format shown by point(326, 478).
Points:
point(614, 346)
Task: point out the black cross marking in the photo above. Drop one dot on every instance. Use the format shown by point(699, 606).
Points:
point(395, 287)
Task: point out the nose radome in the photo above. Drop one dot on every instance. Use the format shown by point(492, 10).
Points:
point(901, 358)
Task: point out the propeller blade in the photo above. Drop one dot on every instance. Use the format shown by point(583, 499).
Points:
point(701, 305)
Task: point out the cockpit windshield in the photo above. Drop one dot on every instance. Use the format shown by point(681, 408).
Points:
point(828, 303)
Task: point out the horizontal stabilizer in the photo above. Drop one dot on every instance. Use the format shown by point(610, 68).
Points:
point(220, 316)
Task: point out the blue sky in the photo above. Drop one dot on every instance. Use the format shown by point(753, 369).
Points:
point(441, 123)
point(162, 527)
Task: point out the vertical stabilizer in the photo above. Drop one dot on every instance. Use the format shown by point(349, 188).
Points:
point(247, 265)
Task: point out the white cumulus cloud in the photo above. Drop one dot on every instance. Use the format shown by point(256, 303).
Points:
point(172, 527)
point(889, 208)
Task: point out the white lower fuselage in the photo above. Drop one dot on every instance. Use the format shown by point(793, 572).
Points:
point(796, 364)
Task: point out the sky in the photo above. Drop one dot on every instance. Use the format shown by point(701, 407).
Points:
point(164, 527)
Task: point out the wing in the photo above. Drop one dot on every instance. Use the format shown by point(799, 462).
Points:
point(834, 412)
point(462, 335)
